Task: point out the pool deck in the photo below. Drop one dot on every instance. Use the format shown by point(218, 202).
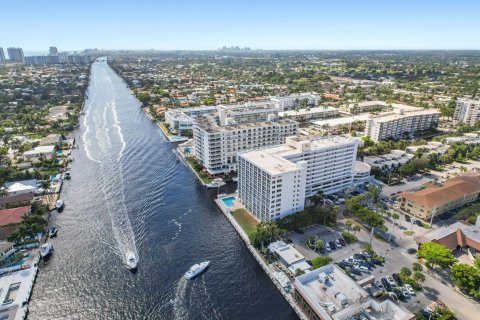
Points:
point(268, 270)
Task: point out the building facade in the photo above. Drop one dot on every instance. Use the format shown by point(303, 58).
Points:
point(180, 120)
point(467, 111)
point(401, 124)
point(314, 165)
point(310, 114)
point(293, 101)
point(2, 56)
point(16, 55)
point(216, 147)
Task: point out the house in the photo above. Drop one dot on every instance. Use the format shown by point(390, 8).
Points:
point(13, 216)
point(6, 250)
point(46, 152)
point(289, 256)
point(51, 139)
point(17, 194)
point(58, 113)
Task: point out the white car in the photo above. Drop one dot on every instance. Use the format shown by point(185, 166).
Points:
point(364, 269)
point(391, 281)
point(405, 292)
point(337, 243)
point(327, 247)
point(410, 289)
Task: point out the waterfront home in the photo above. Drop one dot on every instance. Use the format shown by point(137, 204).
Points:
point(46, 152)
point(16, 290)
point(289, 256)
point(58, 113)
point(13, 216)
point(51, 139)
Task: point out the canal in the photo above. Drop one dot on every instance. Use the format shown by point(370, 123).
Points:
point(130, 192)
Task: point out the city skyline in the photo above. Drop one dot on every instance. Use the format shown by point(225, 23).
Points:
point(270, 26)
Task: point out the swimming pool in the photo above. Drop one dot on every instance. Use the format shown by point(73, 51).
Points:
point(229, 202)
point(188, 150)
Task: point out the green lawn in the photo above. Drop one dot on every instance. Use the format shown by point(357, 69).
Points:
point(245, 220)
point(206, 178)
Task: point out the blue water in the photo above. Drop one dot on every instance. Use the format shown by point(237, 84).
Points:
point(229, 202)
point(188, 150)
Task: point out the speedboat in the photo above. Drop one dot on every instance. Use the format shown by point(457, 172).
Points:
point(46, 249)
point(196, 269)
point(59, 205)
point(67, 175)
point(216, 183)
point(52, 232)
point(131, 259)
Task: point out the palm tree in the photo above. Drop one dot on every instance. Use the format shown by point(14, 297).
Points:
point(395, 217)
point(349, 224)
point(417, 267)
point(419, 277)
point(406, 272)
point(46, 188)
point(319, 244)
point(356, 229)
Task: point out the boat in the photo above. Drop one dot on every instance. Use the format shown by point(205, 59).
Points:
point(67, 175)
point(52, 232)
point(235, 179)
point(60, 205)
point(46, 249)
point(216, 183)
point(131, 259)
point(196, 269)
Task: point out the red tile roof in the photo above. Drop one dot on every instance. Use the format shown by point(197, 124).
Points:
point(12, 216)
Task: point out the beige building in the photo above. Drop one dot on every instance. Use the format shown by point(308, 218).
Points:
point(437, 200)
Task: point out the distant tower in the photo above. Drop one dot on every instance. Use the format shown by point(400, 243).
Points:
point(2, 56)
point(16, 55)
point(53, 50)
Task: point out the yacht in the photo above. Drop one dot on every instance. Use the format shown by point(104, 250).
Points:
point(131, 259)
point(67, 175)
point(52, 232)
point(216, 183)
point(46, 249)
point(59, 205)
point(196, 269)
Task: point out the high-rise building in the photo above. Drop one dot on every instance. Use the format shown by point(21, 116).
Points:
point(16, 55)
point(2, 56)
point(216, 146)
point(273, 182)
point(53, 50)
point(467, 111)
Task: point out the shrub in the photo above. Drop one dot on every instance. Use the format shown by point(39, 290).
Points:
point(320, 261)
point(349, 237)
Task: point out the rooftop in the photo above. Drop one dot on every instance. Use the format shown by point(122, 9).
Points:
point(271, 163)
point(13, 216)
point(470, 231)
point(453, 189)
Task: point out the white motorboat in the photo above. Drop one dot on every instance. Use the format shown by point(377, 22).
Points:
point(60, 204)
point(216, 183)
point(131, 259)
point(46, 249)
point(196, 269)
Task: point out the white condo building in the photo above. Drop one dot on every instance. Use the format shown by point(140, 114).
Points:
point(401, 123)
point(292, 101)
point(216, 146)
point(180, 120)
point(274, 182)
point(467, 111)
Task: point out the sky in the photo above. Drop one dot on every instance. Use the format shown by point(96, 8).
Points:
point(262, 24)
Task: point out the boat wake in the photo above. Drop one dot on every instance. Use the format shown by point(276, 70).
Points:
point(179, 224)
point(105, 147)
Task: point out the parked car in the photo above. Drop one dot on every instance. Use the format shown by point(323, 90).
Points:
point(410, 289)
point(359, 256)
point(391, 281)
point(338, 244)
point(366, 254)
point(356, 271)
point(332, 245)
point(386, 284)
point(393, 296)
point(367, 265)
point(419, 223)
point(343, 242)
point(379, 285)
point(405, 292)
point(399, 294)
point(396, 276)
point(364, 268)
point(412, 250)
point(327, 247)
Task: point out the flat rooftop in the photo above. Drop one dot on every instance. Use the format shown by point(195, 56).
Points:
point(307, 111)
point(210, 124)
point(270, 163)
point(289, 254)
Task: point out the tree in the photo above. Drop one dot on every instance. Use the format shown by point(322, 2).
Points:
point(417, 267)
point(419, 277)
point(436, 254)
point(356, 229)
point(320, 261)
point(299, 272)
point(349, 224)
point(406, 272)
point(467, 278)
point(319, 244)
point(266, 232)
point(477, 263)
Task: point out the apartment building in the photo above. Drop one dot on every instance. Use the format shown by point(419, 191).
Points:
point(216, 146)
point(327, 163)
point(467, 111)
point(2, 56)
point(16, 55)
point(295, 100)
point(310, 114)
point(247, 113)
point(436, 200)
point(401, 123)
point(181, 120)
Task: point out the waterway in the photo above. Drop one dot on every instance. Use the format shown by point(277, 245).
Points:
point(130, 191)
